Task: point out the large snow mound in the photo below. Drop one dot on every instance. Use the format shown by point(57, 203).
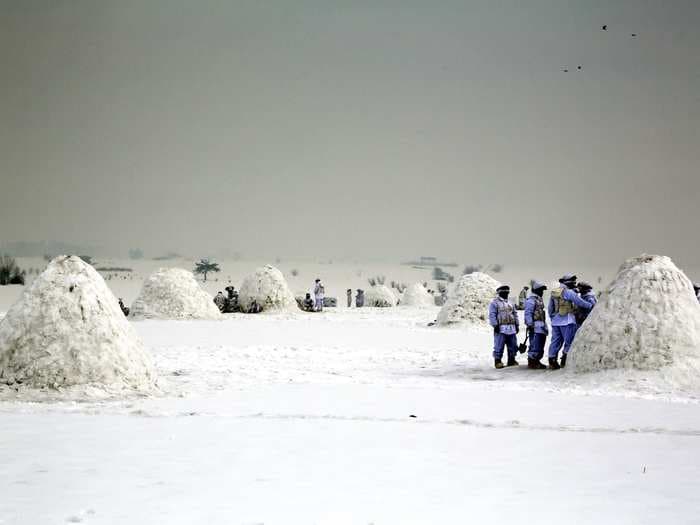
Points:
point(417, 295)
point(67, 329)
point(380, 296)
point(173, 293)
point(268, 287)
point(469, 302)
point(647, 319)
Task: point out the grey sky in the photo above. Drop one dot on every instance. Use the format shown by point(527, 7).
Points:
point(387, 129)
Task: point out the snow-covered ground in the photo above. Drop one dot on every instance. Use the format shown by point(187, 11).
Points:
point(307, 418)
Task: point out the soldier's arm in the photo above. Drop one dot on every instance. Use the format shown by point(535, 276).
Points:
point(529, 310)
point(493, 315)
point(572, 296)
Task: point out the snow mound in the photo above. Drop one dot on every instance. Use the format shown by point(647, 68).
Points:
point(173, 293)
point(647, 319)
point(417, 295)
point(67, 329)
point(470, 300)
point(380, 296)
point(268, 287)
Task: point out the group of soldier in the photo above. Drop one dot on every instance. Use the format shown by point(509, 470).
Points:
point(569, 305)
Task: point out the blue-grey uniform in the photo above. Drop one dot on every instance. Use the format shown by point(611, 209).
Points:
point(504, 319)
point(588, 296)
point(536, 322)
point(562, 305)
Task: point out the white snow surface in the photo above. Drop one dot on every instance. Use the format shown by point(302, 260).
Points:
point(469, 302)
point(173, 293)
point(648, 318)
point(269, 288)
point(417, 295)
point(380, 296)
point(67, 330)
point(313, 412)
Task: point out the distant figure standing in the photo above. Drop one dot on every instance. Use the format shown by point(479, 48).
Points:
point(220, 301)
point(231, 304)
point(360, 298)
point(349, 294)
point(319, 294)
point(522, 297)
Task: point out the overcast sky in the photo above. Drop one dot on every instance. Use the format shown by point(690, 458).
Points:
point(383, 129)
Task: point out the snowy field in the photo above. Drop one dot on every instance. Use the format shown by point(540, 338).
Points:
point(307, 418)
point(349, 416)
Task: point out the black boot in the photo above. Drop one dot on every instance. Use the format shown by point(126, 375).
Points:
point(553, 365)
point(563, 361)
point(534, 364)
point(498, 364)
point(511, 361)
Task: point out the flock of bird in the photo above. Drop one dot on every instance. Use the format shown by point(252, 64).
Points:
point(604, 27)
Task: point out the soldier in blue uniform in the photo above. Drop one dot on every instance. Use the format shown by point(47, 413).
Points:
point(503, 317)
point(562, 305)
point(536, 322)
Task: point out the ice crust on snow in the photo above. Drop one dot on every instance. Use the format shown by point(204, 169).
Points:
point(648, 318)
point(380, 296)
point(173, 293)
point(417, 295)
point(67, 329)
point(469, 302)
point(269, 288)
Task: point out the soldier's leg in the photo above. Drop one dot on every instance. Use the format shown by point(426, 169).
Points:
point(512, 344)
point(569, 334)
point(499, 342)
point(557, 342)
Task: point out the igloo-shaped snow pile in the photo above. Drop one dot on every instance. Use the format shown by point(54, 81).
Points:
point(380, 296)
point(67, 329)
point(173, 293)
point(417, 295)
point(268, 287)
point(648, 318)
point(469, 302)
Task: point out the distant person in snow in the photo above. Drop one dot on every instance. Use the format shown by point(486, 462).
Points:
point(360, 298)
point(254, 308)
point(308, 303)
point(522, 297)
point(503, 317)
point(319, 294)
point(124, 309)
point(696, 287)
point(349, 294)
point(220, 301)
point(536, 322)
point(231, 304)
point(585, 290)
point(563, 303)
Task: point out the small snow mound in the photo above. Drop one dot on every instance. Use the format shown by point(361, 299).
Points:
point(268, 287)
point(67, 329)
point(470, 300)
point(417, 295)
point(647, 319)
point(380, 296)
point(173, 293)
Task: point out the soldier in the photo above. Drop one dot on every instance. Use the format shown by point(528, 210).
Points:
point(522, 298)
point(535, 320)
point(220, 301)
point(562, 305)
point(360, 298)
point(349, 294)
point(254, 308)
point(308, 303)
point(696, 287)
point(504, 319)
point(231, 304)
point(585, 290)
point(319, 293)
